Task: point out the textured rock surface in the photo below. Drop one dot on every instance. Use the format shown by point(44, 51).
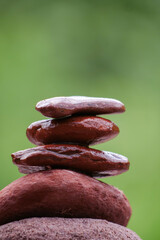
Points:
point(62, 193)
point(65, 229)
point(82, 159)
point(82, 130)
point(65, 106)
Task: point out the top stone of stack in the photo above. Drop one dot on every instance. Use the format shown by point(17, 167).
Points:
point(59, 107)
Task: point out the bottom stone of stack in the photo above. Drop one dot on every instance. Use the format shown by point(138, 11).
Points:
point(65, 229)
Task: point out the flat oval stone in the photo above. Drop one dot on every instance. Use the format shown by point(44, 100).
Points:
point(83, 130)
point(58, 107)
point(62, 193)
point(65, 229)
point(92, 162)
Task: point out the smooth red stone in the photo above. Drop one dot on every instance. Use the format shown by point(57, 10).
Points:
point(83, 130)
point(92, 162)
point(58, 107)
point(62, 193)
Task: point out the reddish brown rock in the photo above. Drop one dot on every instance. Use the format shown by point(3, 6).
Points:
point(62, 193)
point(65, 229)
point(83, 130)
point(82, 159)
point(58, 107)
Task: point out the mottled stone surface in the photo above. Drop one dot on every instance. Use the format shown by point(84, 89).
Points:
point(65, 229)
point(62, 193)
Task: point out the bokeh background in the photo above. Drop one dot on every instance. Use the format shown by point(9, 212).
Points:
point(93, 48)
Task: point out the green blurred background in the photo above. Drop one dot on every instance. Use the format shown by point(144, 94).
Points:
point(93, 48)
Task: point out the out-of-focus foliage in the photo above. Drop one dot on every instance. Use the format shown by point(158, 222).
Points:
point(94, 48)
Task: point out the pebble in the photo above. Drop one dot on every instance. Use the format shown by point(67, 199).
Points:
point(59, 107)
point(90, 161)
point(83, 130)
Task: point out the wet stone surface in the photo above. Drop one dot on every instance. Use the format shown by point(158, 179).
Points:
point(82, 130)
point(90, 161)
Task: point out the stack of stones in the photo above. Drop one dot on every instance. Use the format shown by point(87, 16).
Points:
point(60, 198)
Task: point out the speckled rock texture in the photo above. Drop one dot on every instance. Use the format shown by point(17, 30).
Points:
point(58, 107)
point(90, 161)
point(62, 193)
point(65, 229)
point(83, 130)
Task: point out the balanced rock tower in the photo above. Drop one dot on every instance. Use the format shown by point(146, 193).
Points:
point(60, 197)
